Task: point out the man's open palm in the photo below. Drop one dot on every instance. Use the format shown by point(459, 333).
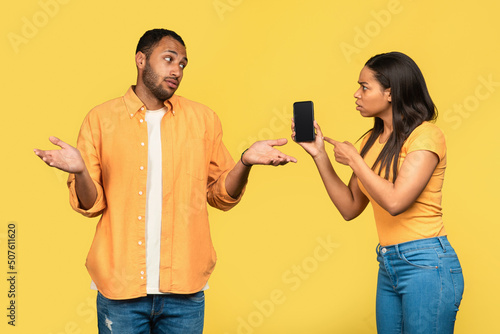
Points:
point(67, 159)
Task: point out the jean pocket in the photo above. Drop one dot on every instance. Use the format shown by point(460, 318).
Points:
point(457, 278)
point(424, 259)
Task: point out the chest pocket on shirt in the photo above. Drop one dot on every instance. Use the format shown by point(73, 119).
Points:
point(194, 155)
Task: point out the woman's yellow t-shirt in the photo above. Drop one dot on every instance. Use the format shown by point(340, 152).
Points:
point(424, 218)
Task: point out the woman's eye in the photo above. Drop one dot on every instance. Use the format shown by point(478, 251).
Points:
point(168, 58)
point(182, 66)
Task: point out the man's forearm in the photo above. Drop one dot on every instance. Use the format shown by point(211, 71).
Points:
point(85, 189)
point(237, 179)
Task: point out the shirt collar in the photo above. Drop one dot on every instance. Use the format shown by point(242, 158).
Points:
point(135, 105)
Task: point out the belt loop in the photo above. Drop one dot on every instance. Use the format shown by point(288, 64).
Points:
point(397, 250)
point(442, 244)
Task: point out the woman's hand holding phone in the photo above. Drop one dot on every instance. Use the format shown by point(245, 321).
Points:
point(314, 148)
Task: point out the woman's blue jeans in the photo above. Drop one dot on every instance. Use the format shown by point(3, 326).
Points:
point(420, 287)
point(168, 313)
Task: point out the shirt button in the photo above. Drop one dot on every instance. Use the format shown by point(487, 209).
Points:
point(141, 168)
point(142, 108)
point(140, 217)
point(131, 115)
point(142, 277)
point(142, 144)
point(140, 243)
point(141, 120)
point(140, 192)
point(384, 250)
point(142, 272)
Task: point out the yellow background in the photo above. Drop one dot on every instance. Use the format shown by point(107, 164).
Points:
point(249, 61)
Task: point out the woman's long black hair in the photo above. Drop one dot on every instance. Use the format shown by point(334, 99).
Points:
point(411, 105)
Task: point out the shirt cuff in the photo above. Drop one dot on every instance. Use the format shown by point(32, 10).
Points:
point(221, 198)
point(95, 210)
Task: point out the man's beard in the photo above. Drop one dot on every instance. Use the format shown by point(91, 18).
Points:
point(149, 77)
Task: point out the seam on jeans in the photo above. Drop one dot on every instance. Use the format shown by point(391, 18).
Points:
point(454, 275)
point(403, 257)
point(152, 314)
point(161, 305)
point(419, 249)
point(385, 266)
point(441, 291)
point(392, 278)
point(394, 252)
point(448, 255)
point(157, 299)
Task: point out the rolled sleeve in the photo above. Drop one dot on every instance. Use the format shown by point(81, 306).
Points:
point(218, 196)
point(220, 165)
point(96, 209)
point(86, 144)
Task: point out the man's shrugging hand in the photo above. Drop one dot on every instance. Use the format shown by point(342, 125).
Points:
point(264, 153)
point(67, 159)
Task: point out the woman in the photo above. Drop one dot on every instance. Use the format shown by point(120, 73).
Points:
point(400, 170)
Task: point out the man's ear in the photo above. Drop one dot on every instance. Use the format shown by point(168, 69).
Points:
point(140, 60)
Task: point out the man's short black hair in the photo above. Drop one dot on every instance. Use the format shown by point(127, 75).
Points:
point(152, 37)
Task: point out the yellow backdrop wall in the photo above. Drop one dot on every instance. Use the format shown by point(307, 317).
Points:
point(288, 263)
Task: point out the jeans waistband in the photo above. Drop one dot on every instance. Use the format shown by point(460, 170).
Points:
point(414, 245)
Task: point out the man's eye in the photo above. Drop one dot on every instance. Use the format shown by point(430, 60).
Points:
point(168, 58)
point(182, 66)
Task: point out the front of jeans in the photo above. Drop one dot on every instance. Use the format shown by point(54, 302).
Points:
point(155, 314)
point(420, 287)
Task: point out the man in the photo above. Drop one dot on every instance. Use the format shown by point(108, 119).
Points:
point(149, 162)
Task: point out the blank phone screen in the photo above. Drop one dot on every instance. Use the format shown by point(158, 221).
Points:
point(303, 116)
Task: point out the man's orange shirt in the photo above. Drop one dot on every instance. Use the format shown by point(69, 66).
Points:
point(113, 141)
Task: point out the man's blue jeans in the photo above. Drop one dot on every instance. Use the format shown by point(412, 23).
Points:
point(169, 313)
point(420, 287)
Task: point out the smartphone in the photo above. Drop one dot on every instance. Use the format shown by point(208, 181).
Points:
point(303, 116)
